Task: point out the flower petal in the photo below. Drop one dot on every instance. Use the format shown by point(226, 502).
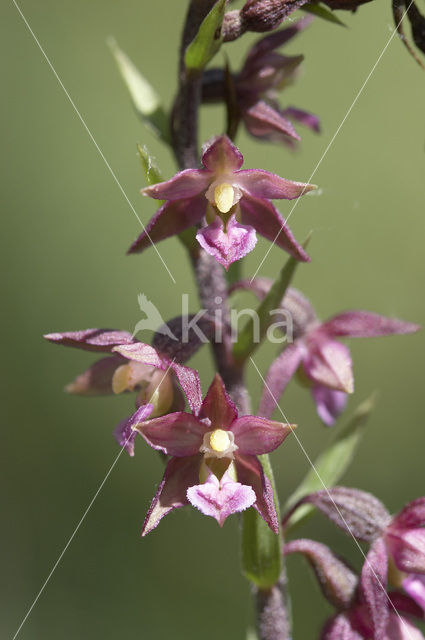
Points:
point(220, 155)
point(414, 585)
point(229, 245)
point(180, 474)
point(267, 123)
point(413, 515)
point(217, 406)
point(401, 629)
point(187, 377)
point(365, 324)
point(191, 385)
point(266, 220)
point(328, 363)
point(276, 39)
point(97, 379)
point(373, 583)
point(177, 434)
point(185, 184)
point(220, 499)
point(143, 353)
point(255, 436)
point(92, 339)
point(263, 184)
point(329, 403)
point(250, 473)
point(171, 219)
point(339, 628)
point(305, 118)
point(407, 547)
point(277, 378)
point(124, 432)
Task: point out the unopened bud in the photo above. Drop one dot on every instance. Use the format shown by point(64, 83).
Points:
point(337, 581)
point(356, 512)
point(265, 15)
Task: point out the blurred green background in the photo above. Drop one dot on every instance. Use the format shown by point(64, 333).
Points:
point(66, 230)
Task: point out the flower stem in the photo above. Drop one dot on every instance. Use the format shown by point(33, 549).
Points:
point(212, 285)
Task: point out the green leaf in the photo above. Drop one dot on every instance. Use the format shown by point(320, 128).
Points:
point(144, 97)
point(261, 548)
point(332, 463)
point(247, 341)
point(151, 170)
point(207, 41)
point(321, 12)
point(251, 634)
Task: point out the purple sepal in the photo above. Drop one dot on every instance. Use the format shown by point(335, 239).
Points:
point(278, 376)
point(97, 379)
point(373, 584)
point(91, 339)
point(356, 512)
point(329, 403)
point(305, 118)
point(125, 434)
point(171, 219)
point(220, 154)
point(339, 628)
point(338, 582)
point(180, 474)
point(250, 472)
point(267, 123)
point(267, 221)
point(365, 324)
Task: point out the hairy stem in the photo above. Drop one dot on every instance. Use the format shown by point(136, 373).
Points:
point(272, 612)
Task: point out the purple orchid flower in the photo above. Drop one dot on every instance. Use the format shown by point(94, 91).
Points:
point(365, 609)
point(214, 464)
point(263, 74)
point(236, 204)
point(325, 363)
point(400, 538)
point(405, 543)
point(131, 366)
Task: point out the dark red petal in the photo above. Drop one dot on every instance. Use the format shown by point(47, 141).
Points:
point(180, 474)
point(171, 219)
point(218, 406)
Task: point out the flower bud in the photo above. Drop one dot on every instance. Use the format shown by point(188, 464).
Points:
point(179, 341)
point(265, 15)
point(336, 579)
point(356, 512)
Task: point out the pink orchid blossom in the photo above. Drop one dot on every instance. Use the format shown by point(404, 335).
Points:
point(214, 464)
point(130, 366)
point(365, 609)
point(235, 203)
point(263, 74)
point(324, 363)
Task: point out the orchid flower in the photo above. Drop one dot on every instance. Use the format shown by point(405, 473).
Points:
point(400, 538)
point(131, 366)
point(236, 204)
point(365, 609)
point(263, 74)
point(214, 464)
point(324, 363)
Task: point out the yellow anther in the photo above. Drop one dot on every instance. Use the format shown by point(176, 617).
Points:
point(224, 196)
point(219, 440)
